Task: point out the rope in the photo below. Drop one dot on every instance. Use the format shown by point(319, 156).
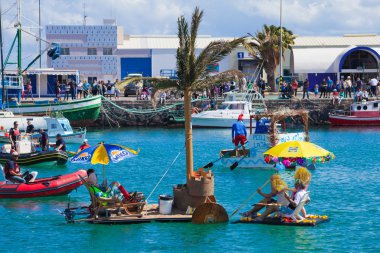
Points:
point(166, 172)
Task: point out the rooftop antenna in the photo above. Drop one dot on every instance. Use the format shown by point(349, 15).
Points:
point(84, 13)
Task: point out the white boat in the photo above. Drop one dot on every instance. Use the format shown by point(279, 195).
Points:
point(229, 112)
point(264, 137)
point(53, 126)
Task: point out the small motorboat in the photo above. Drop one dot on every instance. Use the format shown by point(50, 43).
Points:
point(44, 187)
point(365, 113)
point(52, 126)
point(29, 156)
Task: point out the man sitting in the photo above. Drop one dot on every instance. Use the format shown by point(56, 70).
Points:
point(13, 174)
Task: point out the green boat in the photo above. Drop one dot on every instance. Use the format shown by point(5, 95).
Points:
point(79, 112)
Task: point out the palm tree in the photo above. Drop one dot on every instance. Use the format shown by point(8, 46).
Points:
point(266, 46)
point(194, 73)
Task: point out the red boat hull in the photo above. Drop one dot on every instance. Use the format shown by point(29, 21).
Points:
point(342, 120)
point(44, 187)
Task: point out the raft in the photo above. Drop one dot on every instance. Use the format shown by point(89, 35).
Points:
point(311, 220)
point(37, 157)
point(44, 187)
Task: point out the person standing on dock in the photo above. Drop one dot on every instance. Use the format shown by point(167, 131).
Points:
point(305, 86)
point(29, 91)
point(67, 91)
point(239, 133)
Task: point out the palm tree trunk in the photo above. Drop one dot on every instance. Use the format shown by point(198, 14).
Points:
point(270, 76)
point(188, 135)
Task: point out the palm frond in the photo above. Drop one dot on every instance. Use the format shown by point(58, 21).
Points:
point(156, 82)
point(226, 76)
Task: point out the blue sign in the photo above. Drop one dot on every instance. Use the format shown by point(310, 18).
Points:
point(240, 55)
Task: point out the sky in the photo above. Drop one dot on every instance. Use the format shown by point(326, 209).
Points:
point(221, 17)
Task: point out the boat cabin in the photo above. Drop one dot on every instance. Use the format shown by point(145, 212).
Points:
point(58, 126)
point(365, 109)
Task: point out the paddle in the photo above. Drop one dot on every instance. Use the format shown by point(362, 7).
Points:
point(245, 202)
point(210, 164)
point(235, 164)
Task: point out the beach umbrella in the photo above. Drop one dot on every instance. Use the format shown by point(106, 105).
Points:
point(103, 154)
point(302, 153)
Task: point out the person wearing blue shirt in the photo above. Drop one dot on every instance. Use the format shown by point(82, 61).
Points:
point(86, 86)
point(239, 133)
point(329, 86)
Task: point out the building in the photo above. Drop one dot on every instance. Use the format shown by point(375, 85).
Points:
point(104, 52)
point(355, 55)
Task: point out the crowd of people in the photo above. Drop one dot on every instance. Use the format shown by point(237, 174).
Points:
point(83, 89)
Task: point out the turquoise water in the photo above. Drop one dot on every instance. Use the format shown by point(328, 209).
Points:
point(346, 190)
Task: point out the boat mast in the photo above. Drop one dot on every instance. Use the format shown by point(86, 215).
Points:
point(39, 29)
point(2, 62)
point(280, 42)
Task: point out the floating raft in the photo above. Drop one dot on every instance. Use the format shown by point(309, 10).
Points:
point(149, 214)
point(311, 220)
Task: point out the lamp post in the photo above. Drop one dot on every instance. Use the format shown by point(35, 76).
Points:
point(280, 39)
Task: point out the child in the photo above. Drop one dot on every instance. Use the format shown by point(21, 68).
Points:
point(335, 96)
point(316, 87)
point(117, 93)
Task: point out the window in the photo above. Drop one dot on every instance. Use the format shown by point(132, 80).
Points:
point(91, 51)
point(375, 105)
point(107, 51)
point(65, 51)
point(91, 79)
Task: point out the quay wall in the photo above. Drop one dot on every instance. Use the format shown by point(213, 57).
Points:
point(125, 115)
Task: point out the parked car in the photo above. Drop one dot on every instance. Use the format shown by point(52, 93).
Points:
point(130, 90)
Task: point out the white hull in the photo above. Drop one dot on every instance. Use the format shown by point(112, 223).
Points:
point(258, 144)
point(219, 122)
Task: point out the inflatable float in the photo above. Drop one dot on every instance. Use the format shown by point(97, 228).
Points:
point(311, 220)
point(44, 187)
point(37, 157)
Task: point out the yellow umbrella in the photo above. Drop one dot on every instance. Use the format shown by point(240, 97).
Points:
point(298, 151)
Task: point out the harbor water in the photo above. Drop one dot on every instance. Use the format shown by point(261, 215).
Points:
point(345, 189)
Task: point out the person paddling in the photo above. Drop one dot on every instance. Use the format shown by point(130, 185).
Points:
point(83, 146)
point(239, 134)
point(12, 171)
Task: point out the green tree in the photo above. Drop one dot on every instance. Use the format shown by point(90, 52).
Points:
point(266, 46)
point(193, 71)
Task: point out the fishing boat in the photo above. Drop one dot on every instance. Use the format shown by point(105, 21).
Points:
point(52, 125)
point(79, 112)
point(29, 156)
point(266, 135)
point(365, 113)
point(44, 187)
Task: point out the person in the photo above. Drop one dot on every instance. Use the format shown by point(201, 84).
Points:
point(358, 96)
point(316, 90)
point(58, 90)
point(14, 134)
point(44, 140)
point(323, 89)
point(335, 97)
point(67, 91)
point(83, 146)
point(347, 87)
point(12, 171)
point(86, 87)
point(289, 204)
point(212, 103)
point(305, 89)
point(29, 91)
point(373, 84)
point(239, 133)
point(295, 86)
point(162, 97)
point(95, 87)
point(278, 188)
point(80, 89)
point(60, 144)
point(117, 93)
point(72, 89)
point(30, 127)
point(329, 86)
point(107, 191)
